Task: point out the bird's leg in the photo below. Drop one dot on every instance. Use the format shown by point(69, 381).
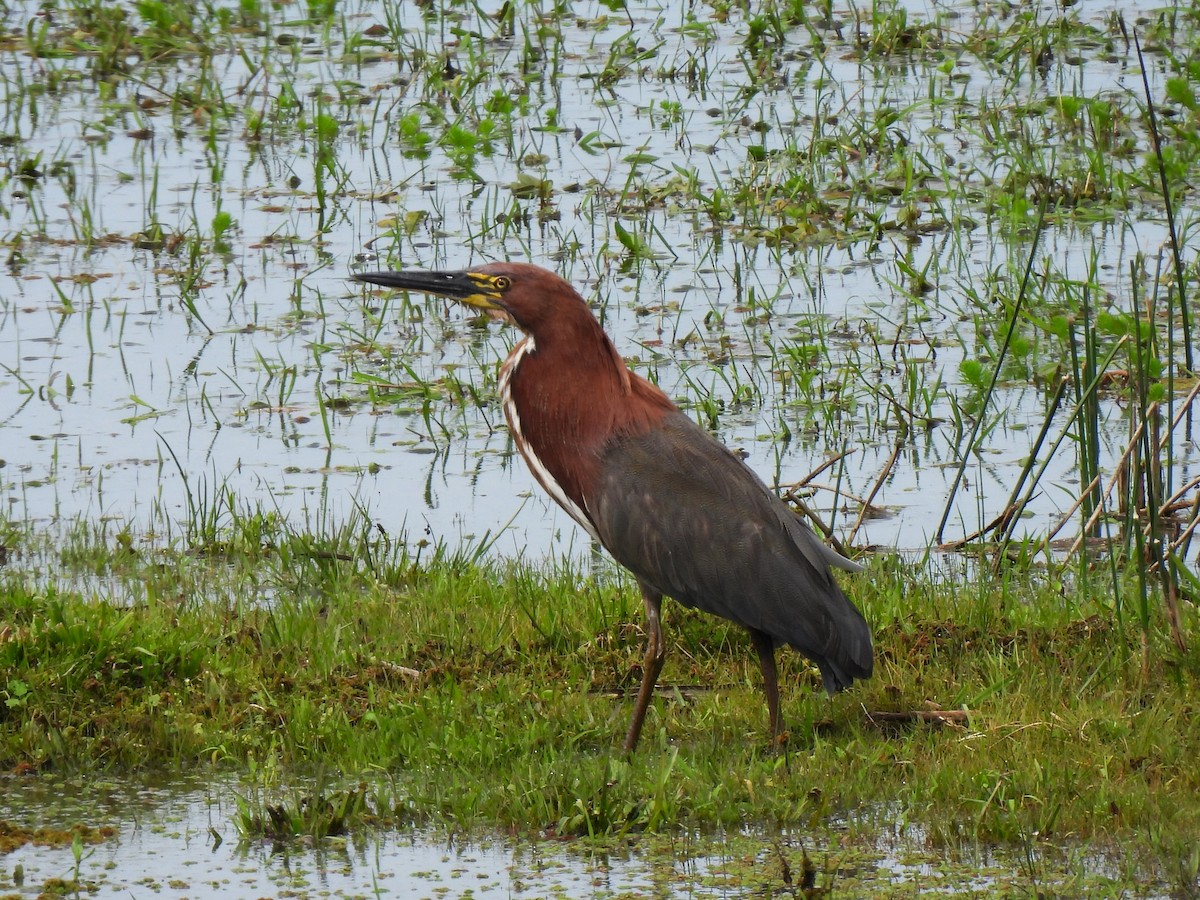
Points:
point(652, 663)
point(765, 646)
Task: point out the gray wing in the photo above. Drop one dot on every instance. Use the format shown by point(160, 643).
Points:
point(691, 520)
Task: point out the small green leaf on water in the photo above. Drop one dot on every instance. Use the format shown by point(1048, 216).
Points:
point(1179, 90)
point(1114, 323)
point(460, 138)
point(222, 222)
point(1070, 107)
point(973, 373)
point(637, 159)
point(327, 127)
point(413, 219)
point(1048, 372)
point(589, 142)
point(530, 186)
point(631, 241)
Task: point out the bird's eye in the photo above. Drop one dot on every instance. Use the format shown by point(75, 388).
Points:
point(501, 282)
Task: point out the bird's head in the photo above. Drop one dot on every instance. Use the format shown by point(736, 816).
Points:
point(529, 297)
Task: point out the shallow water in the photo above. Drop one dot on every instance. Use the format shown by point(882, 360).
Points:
point(177, 839)
point(166, 845)
point(150, 387)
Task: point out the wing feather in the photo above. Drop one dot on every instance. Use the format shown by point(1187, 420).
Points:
point(687, 517)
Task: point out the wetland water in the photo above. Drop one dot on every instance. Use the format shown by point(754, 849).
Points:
point(176, 840)
point(177, 334)
point(164, 842)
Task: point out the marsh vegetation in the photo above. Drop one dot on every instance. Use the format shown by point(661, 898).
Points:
point(930, 266)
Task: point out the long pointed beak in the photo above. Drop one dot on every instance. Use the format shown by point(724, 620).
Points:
point(472, 288)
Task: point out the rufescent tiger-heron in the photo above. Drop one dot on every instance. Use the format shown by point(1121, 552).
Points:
point(670, 503)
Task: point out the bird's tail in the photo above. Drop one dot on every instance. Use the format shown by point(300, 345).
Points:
point(853, 657)
point(837, 678)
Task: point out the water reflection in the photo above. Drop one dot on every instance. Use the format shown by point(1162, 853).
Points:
point(176, 838)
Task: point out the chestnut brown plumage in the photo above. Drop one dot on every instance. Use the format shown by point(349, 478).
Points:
point(668, 501)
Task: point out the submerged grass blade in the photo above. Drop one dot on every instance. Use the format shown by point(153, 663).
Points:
point(1169, 206)
point(968, 447)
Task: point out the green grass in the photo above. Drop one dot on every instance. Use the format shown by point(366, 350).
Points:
point(484, 694)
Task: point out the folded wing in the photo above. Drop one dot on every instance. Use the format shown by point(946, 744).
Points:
point(726, 544)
